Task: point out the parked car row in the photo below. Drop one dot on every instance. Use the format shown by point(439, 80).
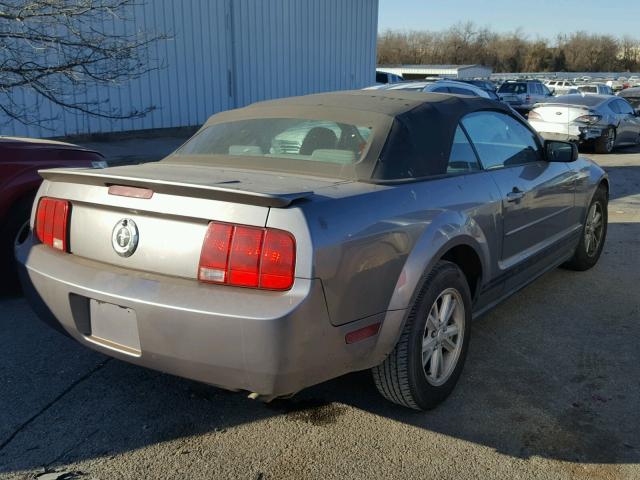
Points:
point(589, 113)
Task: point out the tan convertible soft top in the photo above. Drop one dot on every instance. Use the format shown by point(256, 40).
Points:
point(413, 130)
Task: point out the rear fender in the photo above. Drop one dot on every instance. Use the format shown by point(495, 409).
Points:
point(447, 231)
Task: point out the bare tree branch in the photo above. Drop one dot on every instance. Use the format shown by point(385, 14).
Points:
point(59, 50)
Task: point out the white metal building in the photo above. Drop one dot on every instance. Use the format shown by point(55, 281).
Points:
point(229, 53)
point(419, 72)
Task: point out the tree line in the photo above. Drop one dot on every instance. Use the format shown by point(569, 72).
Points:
point(514, 52)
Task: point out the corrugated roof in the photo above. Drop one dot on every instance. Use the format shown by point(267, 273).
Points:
point(434, 67)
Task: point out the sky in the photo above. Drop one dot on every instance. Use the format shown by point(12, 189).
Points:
point(538, 18)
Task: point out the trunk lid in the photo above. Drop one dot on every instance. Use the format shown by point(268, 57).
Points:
point(170, 225)
point(559, 113)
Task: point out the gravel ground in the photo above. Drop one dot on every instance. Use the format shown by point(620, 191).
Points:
point(550, 391)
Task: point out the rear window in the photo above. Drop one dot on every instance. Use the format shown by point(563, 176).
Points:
point(294, 139)
point(513, 88)
point(588, 89)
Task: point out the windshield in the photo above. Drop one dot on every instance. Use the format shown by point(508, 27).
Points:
point(295, 139)
point(513, 88)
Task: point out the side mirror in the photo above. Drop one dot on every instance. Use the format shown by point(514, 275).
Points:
point(556, 151)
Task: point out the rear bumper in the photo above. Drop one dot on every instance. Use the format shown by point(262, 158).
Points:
point(566, 133)
point(270, 343)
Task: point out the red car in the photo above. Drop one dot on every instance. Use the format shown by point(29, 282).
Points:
point(20, 160)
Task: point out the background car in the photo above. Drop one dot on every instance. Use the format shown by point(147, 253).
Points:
point(631, 95)
point(633, 81)
point(255, 268)
point(387, 77)
point(459, 88)
point(20, 160)
point(483, 84)
point(602, 120)
point(439, 86)
point(560, 87)
point(522, 95)
point(407, 85)
point(616, 85)
point(595, 89)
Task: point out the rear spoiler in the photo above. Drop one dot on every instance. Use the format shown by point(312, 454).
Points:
point(213, 192)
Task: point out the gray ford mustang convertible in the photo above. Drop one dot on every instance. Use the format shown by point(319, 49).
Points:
point(296, 240)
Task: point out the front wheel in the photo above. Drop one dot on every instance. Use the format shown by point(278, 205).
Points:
point(426, 363)
point(594, 234)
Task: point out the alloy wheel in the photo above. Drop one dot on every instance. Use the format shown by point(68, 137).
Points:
point(443, 337)
point(593, 229)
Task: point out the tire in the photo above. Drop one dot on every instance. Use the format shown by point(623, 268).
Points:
point(587, 253)
point(403, 378)
point(19, 215)
point(606, 142)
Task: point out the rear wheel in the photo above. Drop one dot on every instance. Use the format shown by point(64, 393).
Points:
point(594, 234)
point(606, 142)
point(426, 363)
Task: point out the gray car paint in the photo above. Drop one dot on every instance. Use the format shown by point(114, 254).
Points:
point(362, 249)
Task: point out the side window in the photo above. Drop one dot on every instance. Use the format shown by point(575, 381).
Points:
point(501, 140)
point(441, 90)
point(624, 107)
point(462, 158)
point(613, 106)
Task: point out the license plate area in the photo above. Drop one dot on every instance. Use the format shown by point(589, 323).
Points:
point(114, 327)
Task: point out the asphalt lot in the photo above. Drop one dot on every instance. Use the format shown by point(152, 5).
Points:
point(551, 390)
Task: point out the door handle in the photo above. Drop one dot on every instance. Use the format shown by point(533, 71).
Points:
point(515, 195)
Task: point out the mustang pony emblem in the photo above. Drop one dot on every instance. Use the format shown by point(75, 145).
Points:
point(124, 237)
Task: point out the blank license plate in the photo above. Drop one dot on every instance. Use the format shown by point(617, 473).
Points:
point(115, 327)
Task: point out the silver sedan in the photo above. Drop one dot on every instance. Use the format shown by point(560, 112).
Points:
point(604, 121)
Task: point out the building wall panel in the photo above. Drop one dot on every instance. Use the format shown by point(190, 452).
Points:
point(221, 54)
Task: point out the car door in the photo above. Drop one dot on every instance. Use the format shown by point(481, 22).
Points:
point(537, 196)
point(629, 126)
point(536, 93)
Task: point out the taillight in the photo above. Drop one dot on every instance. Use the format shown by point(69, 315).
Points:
point(247, 257)
point(533, 115)
point(588, 119)
point(52, 222)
